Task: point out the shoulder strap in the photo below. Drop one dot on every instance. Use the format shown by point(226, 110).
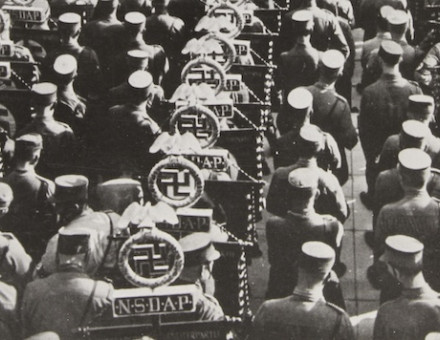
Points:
point(88, 304)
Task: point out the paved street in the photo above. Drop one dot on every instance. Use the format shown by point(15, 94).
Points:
point(359, 295)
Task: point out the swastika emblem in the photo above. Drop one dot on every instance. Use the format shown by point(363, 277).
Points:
point(151, 259)
point(204, 74)
point(176, 183)
point(197, 124)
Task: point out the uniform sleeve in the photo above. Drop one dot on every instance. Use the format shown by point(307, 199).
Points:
point(25, 310)
point(48, 258)
point(337, 38)
point(347, 133)
point(368, 125)
point(276, 197)
point(388, 157)
point(337, 205)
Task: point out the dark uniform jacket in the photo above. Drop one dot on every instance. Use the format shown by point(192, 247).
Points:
point(297, 67)
point(327, 33)
point(412, 316)
point(392, 147)
point(105, 37)
point(389, 190)
point(9, 325)
point(60, 303)
point(285, 236)
point(89, 79)
point(332, 113)
point(30, 215)
point(59, 146)
point(101, 225)
point(330, 200)
point(286, 152)
point(300, 317)
point(383, 110)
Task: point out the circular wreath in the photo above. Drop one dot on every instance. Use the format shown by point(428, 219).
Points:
point(176, 162)
point(213, 122)
point(228, 49)
point(149, 236)
point(200, 61)
point(238, 17)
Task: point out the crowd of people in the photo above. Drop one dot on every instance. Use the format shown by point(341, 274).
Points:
point(98, 101)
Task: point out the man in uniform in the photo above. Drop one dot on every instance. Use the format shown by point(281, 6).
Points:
point(331, 111)
point(137, 60)
point(30, 214)
point(421, 107)
point(414, 134)
point(170, 32)
point(383, 110)
point(299, 65)
point(71, 198)
point(289, 124)
point(373, 44)
point(58, 138)
point(305, 314)
point(71, 108)
point(157, 61)
point(104, 35)
point(15, 270)
point(286, 235)
point(200, 255)
point(416, 312)
point(88, 84)
point(415, 215)
point(327, 33)
point(133, 129)
point(69, 298)
point(330, 199)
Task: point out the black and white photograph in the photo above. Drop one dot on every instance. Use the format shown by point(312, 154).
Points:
point(220, 169)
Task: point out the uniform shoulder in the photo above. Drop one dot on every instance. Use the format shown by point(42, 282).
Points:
point(341, 99)
point(335, 308)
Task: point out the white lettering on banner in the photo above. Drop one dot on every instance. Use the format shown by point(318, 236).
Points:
point(163, 300)
point(233, 83)
point(242, 47)
point(25, 14)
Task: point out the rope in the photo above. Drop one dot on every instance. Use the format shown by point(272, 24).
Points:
point(266, 63)
point(21, 80)
point(252, 93)
point(242, 115)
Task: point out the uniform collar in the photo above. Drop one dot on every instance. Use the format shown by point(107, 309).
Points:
point(421, 292)
point(308, 296)
point(391, 76)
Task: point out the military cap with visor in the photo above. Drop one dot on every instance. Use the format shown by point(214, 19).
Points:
point(390, 52)
point(414, 133)
point(29, 141)
point(65, 66)
point(69, 21)
point(421, 106)
point(414, 160)
point(71, 188)
point(316, 257)
point(44, 94)
point(333, 60)
point(198, 249)
point(300, 98)
point(403, 252)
